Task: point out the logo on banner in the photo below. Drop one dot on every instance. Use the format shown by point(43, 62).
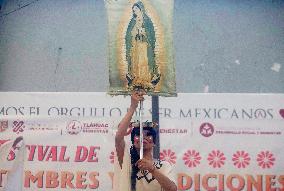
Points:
point(206, 129)
point(41, 126)
point(3, 125)
point(95, 127)
point(18, 126)
point(74, 127)
point(174, 131)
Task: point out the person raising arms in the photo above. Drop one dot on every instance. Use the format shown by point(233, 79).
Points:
point(131, 172)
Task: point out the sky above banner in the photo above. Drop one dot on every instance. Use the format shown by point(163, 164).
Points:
point(223, 47)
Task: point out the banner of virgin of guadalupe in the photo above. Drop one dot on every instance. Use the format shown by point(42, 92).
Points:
point(141, 46)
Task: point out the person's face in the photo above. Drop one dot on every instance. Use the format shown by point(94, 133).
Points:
point(136, 11)
point(148, 142)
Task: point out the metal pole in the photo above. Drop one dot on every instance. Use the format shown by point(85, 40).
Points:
point(141, 129)
point(155, 119)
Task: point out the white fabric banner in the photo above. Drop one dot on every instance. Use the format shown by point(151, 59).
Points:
point(214, 141)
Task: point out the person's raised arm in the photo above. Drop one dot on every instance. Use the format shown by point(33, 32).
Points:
point(124, 124)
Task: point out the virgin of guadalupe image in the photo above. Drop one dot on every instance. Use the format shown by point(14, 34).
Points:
point(140, 43)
